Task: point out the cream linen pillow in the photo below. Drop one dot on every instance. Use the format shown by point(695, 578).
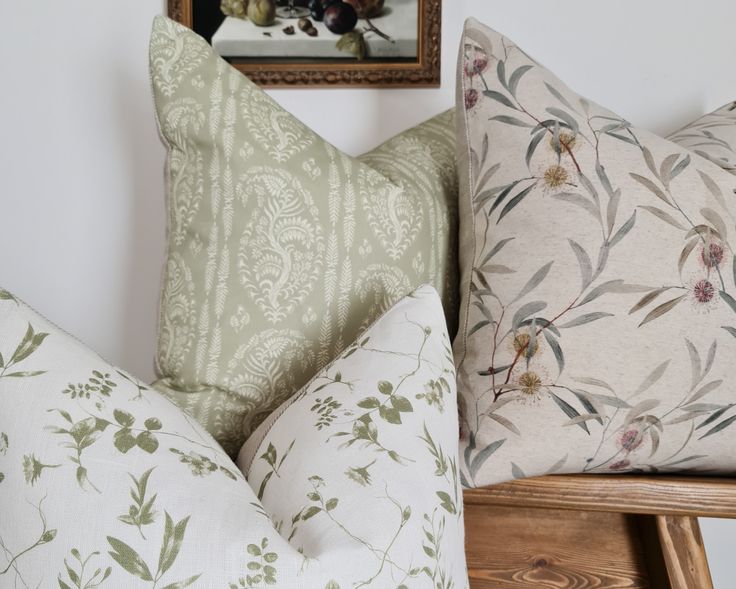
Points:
point(598, 321)
point(712, 136)
point(106, 483)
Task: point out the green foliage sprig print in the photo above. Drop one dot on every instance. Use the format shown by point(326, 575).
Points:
point(129, 559)
point(28, 345)
point(141, 512)
point(76, 572)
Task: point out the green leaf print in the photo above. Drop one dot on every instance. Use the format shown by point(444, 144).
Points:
point(82, 434)
point(129, 559)
point(76, 572)
point(30, 343)
point(99, 385)
point(260, 567)
point(141, 512)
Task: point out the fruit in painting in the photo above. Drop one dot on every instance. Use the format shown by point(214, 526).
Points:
point(367, 8)
point(262, 12)
point(340, 18)
point(317, 9)
point(236, 8)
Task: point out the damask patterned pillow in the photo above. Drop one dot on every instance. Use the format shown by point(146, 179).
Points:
point(712, 136)
point(106, 483)
point(281, 249)
point(598, 320)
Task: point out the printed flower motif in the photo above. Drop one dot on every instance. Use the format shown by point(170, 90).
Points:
point(630, 439)
point(620, 465)
point(434, 394)
point(360, 475)
point(471, 98)
point(530, 385)
point(702, 295)
point(568, 141)
point(32, 468)
point(476, 60)
point(198, 464)
point(556, 177)
point(711, 254)
point(521, 343)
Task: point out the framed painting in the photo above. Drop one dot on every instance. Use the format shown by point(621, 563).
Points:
point(377, 43)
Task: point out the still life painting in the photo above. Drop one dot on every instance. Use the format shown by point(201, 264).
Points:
point(322, 42)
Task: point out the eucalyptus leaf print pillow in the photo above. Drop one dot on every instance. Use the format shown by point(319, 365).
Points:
point(106, 483)
point(598, 313)
point(281, 249)
point(712, 136)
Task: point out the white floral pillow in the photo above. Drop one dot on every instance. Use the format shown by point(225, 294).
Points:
point(712, 136)
point(598, 320)
point(105, 483)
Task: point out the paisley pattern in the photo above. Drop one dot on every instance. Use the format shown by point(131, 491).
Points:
point(262, 371)
point(378, 285)
point(392, 215)
point(178, 326)
point(282, 248)
point(173, 57)
point(280, 134)
point(598, 320)
point(105, 484)
point(277, 230)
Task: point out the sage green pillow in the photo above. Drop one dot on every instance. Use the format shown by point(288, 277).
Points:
point(281, 249)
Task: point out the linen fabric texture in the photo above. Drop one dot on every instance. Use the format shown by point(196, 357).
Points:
point(105, 482)
point(598, 313)
point(712, 136)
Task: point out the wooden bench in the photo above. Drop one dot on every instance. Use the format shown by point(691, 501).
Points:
point(586, 531)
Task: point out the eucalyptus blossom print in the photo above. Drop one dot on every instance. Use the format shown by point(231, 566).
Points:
point(712, 137)
point(588, 248)
point(143, 497)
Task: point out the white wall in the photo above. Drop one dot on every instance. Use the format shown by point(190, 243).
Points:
point(81, 167)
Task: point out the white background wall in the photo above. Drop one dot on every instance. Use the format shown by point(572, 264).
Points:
point(81, 166)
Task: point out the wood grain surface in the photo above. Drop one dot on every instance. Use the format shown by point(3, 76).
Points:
point(529, 548)
point(663, 495)
point(684, 552)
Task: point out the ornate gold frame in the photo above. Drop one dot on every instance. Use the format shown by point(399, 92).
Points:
point(425, 72)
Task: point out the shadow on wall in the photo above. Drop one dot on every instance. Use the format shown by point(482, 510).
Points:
point(143, 263)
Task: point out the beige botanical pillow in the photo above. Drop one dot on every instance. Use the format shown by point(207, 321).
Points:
point(712, 136)
point(598, 320)
point(281, 249)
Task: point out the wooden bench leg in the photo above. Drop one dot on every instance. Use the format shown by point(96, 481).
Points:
point(683, 552)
